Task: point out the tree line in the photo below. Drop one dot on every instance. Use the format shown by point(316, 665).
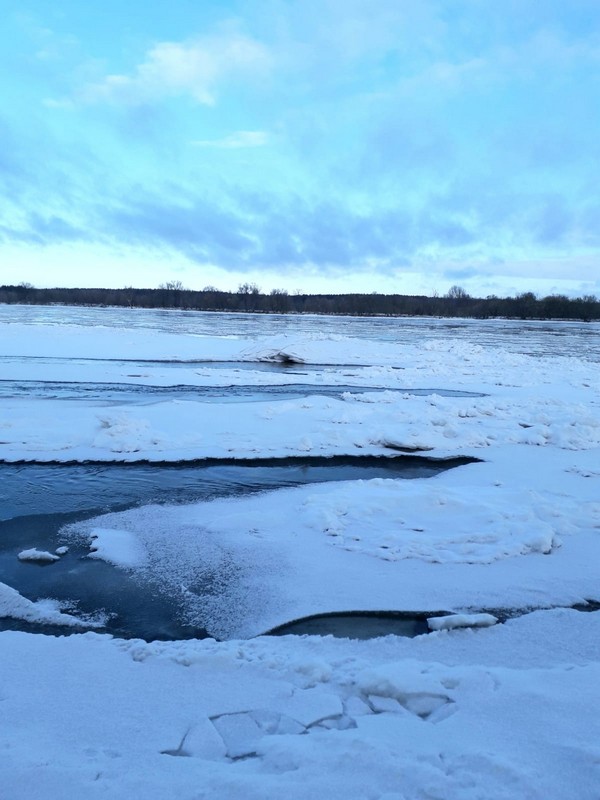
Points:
point(249, 298)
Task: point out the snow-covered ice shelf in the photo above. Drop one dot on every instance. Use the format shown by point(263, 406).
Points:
point(504, 711)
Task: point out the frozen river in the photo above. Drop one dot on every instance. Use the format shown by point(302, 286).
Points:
point(37, 500)
point(189, 482)
point(532, 337)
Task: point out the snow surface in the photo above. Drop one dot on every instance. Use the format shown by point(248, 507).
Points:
point(41, 556)
point(461, 621)
point(509, 711)
point(117, 547)
point(497, 713)
point(45, 611)
point(454, 541)
point(533, 401)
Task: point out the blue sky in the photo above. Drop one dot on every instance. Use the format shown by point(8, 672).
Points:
point(317, 145)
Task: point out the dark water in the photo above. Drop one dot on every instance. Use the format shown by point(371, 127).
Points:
point(358, 625)
point(37, 501)
point(122, 393)
point(59, 488)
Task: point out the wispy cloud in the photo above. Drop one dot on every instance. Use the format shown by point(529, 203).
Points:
point(194, 68)
point(233, 141)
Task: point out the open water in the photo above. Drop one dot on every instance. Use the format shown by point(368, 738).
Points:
point(37, 501)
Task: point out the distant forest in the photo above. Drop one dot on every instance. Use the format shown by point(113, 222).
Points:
point(248, 298)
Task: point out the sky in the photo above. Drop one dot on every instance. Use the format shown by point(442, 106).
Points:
point(315, 146)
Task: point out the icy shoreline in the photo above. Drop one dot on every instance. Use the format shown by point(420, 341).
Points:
point(456, 714)
point(499, 712)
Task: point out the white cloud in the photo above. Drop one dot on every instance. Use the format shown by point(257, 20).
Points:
point(193, 68)
point(235, 140)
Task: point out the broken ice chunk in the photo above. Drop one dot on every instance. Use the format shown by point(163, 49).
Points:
point(461, 621)
point(39, 556)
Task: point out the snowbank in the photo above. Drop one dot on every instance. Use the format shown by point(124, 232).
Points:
point(495, 714)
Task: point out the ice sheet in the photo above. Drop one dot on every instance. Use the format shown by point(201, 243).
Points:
point(501, 712)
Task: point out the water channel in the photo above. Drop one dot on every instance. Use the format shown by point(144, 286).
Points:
point(65, 494)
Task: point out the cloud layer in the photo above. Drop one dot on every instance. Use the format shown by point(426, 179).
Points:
point(458, 141)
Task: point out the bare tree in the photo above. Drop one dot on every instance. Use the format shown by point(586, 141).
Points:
point(457, 293)
point(248, 288)
point(176, 286)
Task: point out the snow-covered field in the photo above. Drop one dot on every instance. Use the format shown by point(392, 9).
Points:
point(507, 711)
